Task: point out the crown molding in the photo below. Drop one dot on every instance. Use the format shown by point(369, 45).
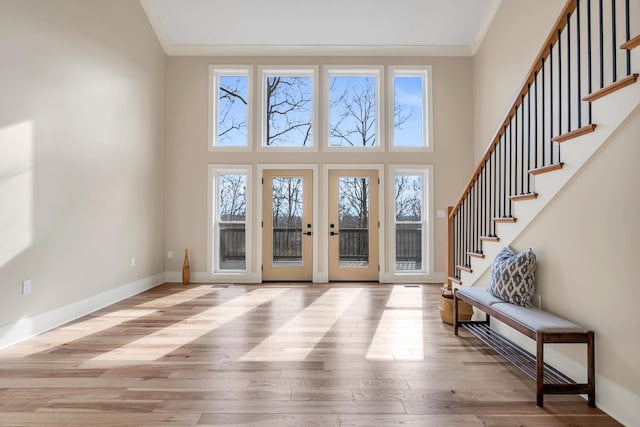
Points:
point(314, 50)
point(484, 26)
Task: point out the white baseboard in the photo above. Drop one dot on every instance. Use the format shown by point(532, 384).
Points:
point(204, 277)
point(34, 325)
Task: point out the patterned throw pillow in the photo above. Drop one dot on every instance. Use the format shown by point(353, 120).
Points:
point(513, 276)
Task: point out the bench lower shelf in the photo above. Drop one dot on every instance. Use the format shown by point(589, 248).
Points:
point(515, 354)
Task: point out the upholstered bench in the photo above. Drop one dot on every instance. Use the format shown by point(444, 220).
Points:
point(539, 325)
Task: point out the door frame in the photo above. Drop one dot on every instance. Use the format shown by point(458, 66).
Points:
point(315, 219)
point(324, 227)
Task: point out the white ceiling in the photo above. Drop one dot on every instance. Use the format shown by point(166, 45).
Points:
point(337, 27)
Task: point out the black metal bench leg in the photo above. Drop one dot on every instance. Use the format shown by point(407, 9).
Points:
point(540, 369)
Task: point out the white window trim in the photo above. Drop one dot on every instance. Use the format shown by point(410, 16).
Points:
point(426, 273)
point(311, 71)
point(424, 71)
point(343, 70)
point(215, 71)
point(241, 276)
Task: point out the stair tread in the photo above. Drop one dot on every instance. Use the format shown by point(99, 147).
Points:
point(524, 196)
point(546, 169)
point(629, 80)
point(476, 254)
point(632, 43)
point(464, 268)
point(505, 219)
point(575, 133)
point(490, 238)
point(455, 280)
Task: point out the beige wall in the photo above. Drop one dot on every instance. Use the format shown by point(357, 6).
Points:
point(586, 238)
point(81, 151)
point(501, 63)
point(586, 243)
point(188, 155)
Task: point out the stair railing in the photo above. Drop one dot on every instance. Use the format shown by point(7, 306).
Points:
point(580, 61)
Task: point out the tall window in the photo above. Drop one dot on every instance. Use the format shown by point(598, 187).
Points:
point(410, 220)
point(230, 101)
point(287, 114)
point(354, 108)
point(410, 109)
point(230, 218)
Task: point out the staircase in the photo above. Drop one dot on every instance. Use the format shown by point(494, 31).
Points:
point(580, 89)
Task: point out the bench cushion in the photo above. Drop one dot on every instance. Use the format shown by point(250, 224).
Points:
point(536, 319)
point(480, 295)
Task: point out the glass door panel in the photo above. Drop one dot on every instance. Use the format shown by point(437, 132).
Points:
point(287, 235)
point(353, 225)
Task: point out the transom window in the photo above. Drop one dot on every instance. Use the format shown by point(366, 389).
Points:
point(409, 109)
point(353, 108)
point(287, 114)
point(230, 100)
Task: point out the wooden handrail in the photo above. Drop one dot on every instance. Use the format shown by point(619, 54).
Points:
point(551, 39)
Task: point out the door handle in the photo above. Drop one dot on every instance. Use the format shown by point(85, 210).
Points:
point(333, 233)
point(308, 233)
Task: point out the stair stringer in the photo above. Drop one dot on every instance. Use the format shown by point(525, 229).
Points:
point(608, 113)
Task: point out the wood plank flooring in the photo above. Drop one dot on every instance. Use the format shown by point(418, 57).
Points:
point(289, 354)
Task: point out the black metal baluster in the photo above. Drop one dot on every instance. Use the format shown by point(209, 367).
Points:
point(514, 158)
point(601, 45)
point(627, 31)
point(551, 143)
point(472, 217)
point(477, 217)
point(568, 77)
point(614, 48)
point(522, 173)
point(510, 162)
point(543, 116)
point(535, 119)
point(529, 134)
point(494, 167)
point(579, 65)
point(505, 195)
point(456, 249)
point(589, 48)
point(550, 107)
point(499, 182)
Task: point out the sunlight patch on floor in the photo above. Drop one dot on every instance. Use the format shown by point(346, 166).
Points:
point(300, 335)
point(162, 342)
point(179, 297)
point(405, 297)
point(76, 331)
point(399, 335)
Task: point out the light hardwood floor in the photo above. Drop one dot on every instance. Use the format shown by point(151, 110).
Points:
point(272, 355)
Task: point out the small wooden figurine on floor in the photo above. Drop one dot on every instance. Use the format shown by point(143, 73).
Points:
point(186, 270)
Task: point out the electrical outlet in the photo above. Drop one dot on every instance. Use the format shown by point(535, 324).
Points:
point(26, 287)
point(441, 214)
point(133, 261)
point(170, 254)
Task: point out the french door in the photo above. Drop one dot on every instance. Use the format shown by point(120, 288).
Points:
point(353, 225)
point(287, 237)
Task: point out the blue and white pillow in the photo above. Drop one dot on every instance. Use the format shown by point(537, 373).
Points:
point(513, 277)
